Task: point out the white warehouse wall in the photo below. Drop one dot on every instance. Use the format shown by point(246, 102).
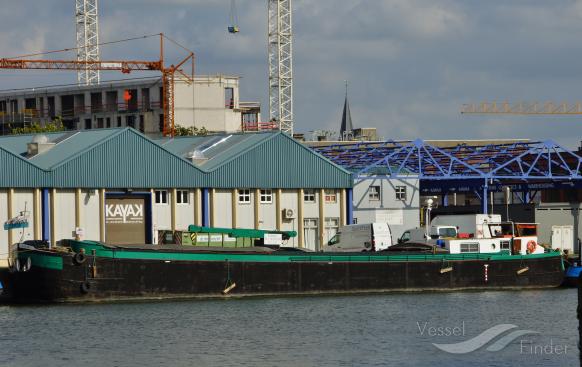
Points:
point(399, 214)
point(64, 215)
point(89, 214)
point(185, 213)
point(223, 209)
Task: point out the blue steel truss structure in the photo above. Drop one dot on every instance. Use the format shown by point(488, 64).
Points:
point(523, 166)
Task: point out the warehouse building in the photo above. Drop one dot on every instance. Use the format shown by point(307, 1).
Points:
point(118, 186)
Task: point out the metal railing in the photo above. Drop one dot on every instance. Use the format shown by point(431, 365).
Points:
point(259, 126)
point(122, 107)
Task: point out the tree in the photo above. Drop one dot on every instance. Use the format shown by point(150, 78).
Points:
point(36, 128)
point(189, 131)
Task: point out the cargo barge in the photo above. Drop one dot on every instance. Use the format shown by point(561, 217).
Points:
point(94, 271)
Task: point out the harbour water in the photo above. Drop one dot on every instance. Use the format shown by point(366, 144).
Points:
point(364, 330)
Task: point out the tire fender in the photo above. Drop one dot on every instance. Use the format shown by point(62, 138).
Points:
point(85, 287)
point(79, 258)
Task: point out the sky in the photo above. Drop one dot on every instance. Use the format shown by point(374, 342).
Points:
point(410, 64)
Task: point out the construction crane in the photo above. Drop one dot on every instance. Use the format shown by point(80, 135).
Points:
point(523, 108)
point(233, 27)
point(124, 66)
point(86, 16)
point(280, 54)
point(280, 44)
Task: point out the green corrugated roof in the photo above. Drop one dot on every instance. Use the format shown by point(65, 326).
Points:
point(217, 149)
point(73, 145)
point(277, 161)
point(18, 172)
point(124, 158)
point(67, 145)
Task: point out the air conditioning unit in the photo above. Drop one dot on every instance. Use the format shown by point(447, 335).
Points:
point(288, 214)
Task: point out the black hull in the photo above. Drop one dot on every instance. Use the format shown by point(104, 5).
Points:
point(123, 279)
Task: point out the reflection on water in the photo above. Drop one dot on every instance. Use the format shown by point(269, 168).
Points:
point(393, 329)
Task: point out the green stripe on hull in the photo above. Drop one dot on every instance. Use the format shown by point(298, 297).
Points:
point(42, 260)
point(102, 251)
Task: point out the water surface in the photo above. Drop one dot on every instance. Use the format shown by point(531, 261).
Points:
point(375, 330)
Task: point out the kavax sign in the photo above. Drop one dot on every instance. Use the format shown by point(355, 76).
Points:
point(125, 220)
point(124, 213)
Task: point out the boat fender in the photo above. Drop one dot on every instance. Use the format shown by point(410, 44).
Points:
point(229, 288)
point(26, 266)
point(17, 265)
point(79, 258)
point(85, 287)
point(531, 246)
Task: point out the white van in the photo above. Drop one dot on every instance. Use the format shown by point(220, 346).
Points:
point(413, 235)
point(361, 237)
point(435, 232)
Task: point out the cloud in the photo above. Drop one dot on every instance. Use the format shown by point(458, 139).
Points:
point(411, 64)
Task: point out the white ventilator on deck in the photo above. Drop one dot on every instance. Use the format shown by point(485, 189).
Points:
point(281, 64)
point(86, 13)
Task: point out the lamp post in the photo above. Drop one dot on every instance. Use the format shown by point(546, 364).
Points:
point(429, 204)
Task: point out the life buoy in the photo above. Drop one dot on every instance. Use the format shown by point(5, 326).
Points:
point(531, 246)
point(79, 258)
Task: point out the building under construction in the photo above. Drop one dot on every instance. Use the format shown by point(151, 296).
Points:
point(209, 102)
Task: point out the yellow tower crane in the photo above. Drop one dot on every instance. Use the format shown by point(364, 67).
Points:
point(523, 108)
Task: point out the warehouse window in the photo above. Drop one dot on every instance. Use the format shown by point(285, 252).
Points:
point(161, 196)
point(244, 196)
point(266, 196)
point(331, 226)
point(182, 197)
point(374, 193)
point(330, 196)
point(309, 195)
point(400, 192)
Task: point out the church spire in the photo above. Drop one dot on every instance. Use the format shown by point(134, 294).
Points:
point(347, 128)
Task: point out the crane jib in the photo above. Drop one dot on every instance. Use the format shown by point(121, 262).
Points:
point(75, 65)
